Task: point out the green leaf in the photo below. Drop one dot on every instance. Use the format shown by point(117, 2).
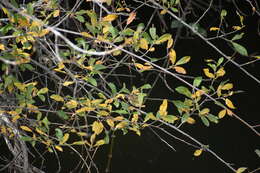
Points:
point(41, 97)
point(26, 138)
point(92, 81)
point(237, 36)
point(240, 170)
point(183, 90)
point(197, 81)
point(80, 18)
point(163, 38)
point(121, 111)
point(152, 32)
point(127, 32)
point(58, 133)
point(42, 91)
point(212, 118)
point(185, 117)
point(169, 118)
point(146, 86)
point(220, 61)
point(240, 49)
point(257, 151)
point(113, 88)
point(62, 115)
point(205, 121)
point(223, 13)
point(183, 60)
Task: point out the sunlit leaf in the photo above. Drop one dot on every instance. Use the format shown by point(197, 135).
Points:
point(229, 103)
point(131, 18)
point(57, 98)
point(179, 69)
point(59, 148)
point(222, 113)
point(109, 18)
point(197, 152)
point(208, 74)
point(64, 138)
point(163, 108)
point(172, 56)
point(67, 83)
point(25, 128)
point(183, 60)
point(71, 104)
point(97, 127)
point(240, 170)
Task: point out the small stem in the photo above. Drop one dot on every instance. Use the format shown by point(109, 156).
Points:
point(110, 153)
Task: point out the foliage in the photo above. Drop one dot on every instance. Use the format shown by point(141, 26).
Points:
point(61, 64)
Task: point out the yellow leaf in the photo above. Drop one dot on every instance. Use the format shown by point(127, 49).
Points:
point(172, 56)
point(164, 11)
point(221, 72)
point(57, 98)
point(97, 127)
point(134, 118)
point(208, 74)
point(143, 43)
point(143, 67)
point(25, 128)
point(121, 125)
point(2, 47)
point(103, 113)
point(197, 152)
point(71, 104)
point(240, 170)
point(92, 138)
point(15, 118)
point(131, 18)
point(85, 34)
point(229, 103)
point(5, 11)
point(56, 13)
point(20, 86)
point(64, 138)
point(214, 29)
point(39, 131)
point(118, 118)
point(85, 109)
point(79, 143)
point(237, 28)
point(109, 18)
point(169, 43)
point(43, 32)
point(99, 142)
point(190, 120)
point(222, 113)
point(59, 148)
point(136, 130)
point(82, 134)
point(151, 49)
point(227, 86)
point(67, 83)
point(163, 108)
point(110, 122)
point(229, 112)
point(180, 70)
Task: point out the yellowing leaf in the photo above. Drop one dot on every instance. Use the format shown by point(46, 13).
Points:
point(97, 127)
point(169, 43)
point(172, 56)
point(85, 109)
point(80, 143)
point(130, 18)
point(227, 86)
point(237, 28)
point(214, 29)
point(240, 170)
point(204, 111)
point(25, 128)
point(2, 47)
point(163, 38)
point(59, 148)
point(164, 11)
point(82, 134)
point(180, 70)
point(221, 72)
point(163, 108)
point(197, 152)
point(85, 34)
point(99, 142)
point(190, 120)
point(222, 113)
point(15, 118)
point(67, 83)
point(118, 118)
point(208, 74)
point(121, 125)
point(110, 122)
point(71, 104)
point(40, 131)
point(57, 98)
point(56, 13)
point(64, 138)
point(229, 112)
point(109, 18)
point(134, 118)
point(103, 113)
point(143, 43)
point(143, 67)
point(229, 103)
